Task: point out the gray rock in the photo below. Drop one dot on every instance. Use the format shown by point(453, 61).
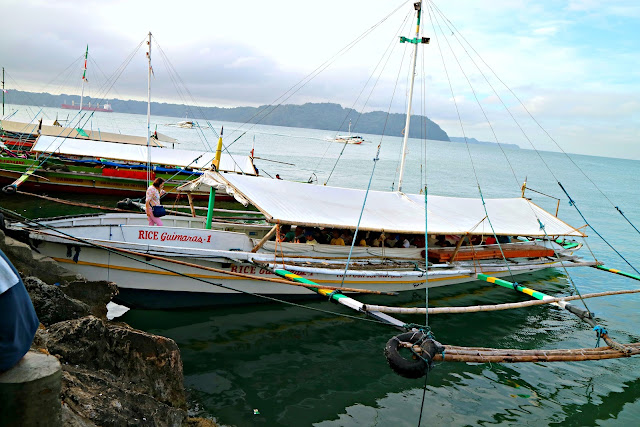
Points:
point(31, 263)
point(51, 304)
point(98, 396)
point(95, 294)
point(142, 363)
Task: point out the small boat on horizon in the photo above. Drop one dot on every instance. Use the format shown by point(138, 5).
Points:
point(349, 139)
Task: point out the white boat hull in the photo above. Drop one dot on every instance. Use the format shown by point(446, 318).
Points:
point(150, 283)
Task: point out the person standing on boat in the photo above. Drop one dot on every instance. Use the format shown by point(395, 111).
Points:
point(154, 192)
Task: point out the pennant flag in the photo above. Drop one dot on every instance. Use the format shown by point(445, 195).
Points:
point(84, 74)
point(82, 132)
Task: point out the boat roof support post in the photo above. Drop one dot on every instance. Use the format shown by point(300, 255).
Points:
point(212, 192)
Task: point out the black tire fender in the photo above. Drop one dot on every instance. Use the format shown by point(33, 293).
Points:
point(409, 368)
point(9, 189)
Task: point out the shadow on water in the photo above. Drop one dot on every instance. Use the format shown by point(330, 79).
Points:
point(299, 367)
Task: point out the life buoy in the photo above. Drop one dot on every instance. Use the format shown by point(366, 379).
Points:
point(415, 367)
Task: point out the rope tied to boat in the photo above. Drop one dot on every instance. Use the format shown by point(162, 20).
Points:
point(600, 332)
point(330, 295)
point(423, 348)
point(573, 203)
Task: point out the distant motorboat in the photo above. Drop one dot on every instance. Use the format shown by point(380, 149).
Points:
point(187, 124)
point(349, 139)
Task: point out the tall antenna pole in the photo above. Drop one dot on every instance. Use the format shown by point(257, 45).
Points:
point(84, 76)
point(3, 92)
point(149, 113)
point(418, 7)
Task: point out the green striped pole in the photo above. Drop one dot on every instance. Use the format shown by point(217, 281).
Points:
point(339, 298)
point(582, 314)
point(614, 271)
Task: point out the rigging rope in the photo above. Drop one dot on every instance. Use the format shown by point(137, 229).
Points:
point(473, 168)
point(305, 80)
point(178, 273)
point(573, 203)
point(455, 32)
point(364, 202)
point(387, 53)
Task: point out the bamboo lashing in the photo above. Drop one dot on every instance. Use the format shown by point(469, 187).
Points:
point(490, 307)
point(218, 270)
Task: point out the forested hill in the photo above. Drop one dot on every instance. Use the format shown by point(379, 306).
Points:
point(325, 116)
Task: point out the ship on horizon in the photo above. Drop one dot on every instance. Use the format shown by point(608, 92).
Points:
point(105, 107)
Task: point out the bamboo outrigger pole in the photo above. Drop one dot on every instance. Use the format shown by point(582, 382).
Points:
point(614, 271)
point(584, 315)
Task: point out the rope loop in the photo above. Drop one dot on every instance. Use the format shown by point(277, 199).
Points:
point(600, 332)
point(331, 295)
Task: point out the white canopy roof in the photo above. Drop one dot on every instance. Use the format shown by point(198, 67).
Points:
point(138, 153)
point(65, 132)
point(314, 205)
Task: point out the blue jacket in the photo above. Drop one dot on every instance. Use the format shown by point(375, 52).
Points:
point(18, 320)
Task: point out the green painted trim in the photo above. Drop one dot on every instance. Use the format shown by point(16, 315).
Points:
point(535, 294)
point(621, 273)
point(212, 202)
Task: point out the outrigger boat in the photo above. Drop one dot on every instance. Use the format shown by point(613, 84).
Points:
point(349, 139)
point(242, 258)
point(241, 254)
point(191, 261)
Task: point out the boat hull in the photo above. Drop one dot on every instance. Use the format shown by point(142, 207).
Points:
point(208, 267)
point(165, 285)
point(60, 177)
point(86, 108)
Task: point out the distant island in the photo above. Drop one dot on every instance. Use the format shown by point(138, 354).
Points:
point(325, 116)
point(475, 141)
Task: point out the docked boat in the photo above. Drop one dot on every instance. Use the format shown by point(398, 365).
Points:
point(196, 262)
point(234, 259)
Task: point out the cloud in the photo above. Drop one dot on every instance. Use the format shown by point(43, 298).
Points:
point(545, 31)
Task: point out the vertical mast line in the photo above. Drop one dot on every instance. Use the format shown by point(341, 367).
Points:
point(415, 41)
point(149, 114)
point(84, 75)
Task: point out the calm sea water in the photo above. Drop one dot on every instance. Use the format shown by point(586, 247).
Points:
point(302, 367)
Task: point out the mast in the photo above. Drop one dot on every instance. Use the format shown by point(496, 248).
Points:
point(84, 76)
point(3, 92)
point(418, 7)
point(149, 113)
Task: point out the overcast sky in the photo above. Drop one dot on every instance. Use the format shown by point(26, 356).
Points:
point(574, 64)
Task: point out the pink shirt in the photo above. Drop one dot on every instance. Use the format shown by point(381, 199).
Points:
point(153, 196)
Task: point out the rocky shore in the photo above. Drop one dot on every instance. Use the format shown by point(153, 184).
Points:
point(112, 374)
